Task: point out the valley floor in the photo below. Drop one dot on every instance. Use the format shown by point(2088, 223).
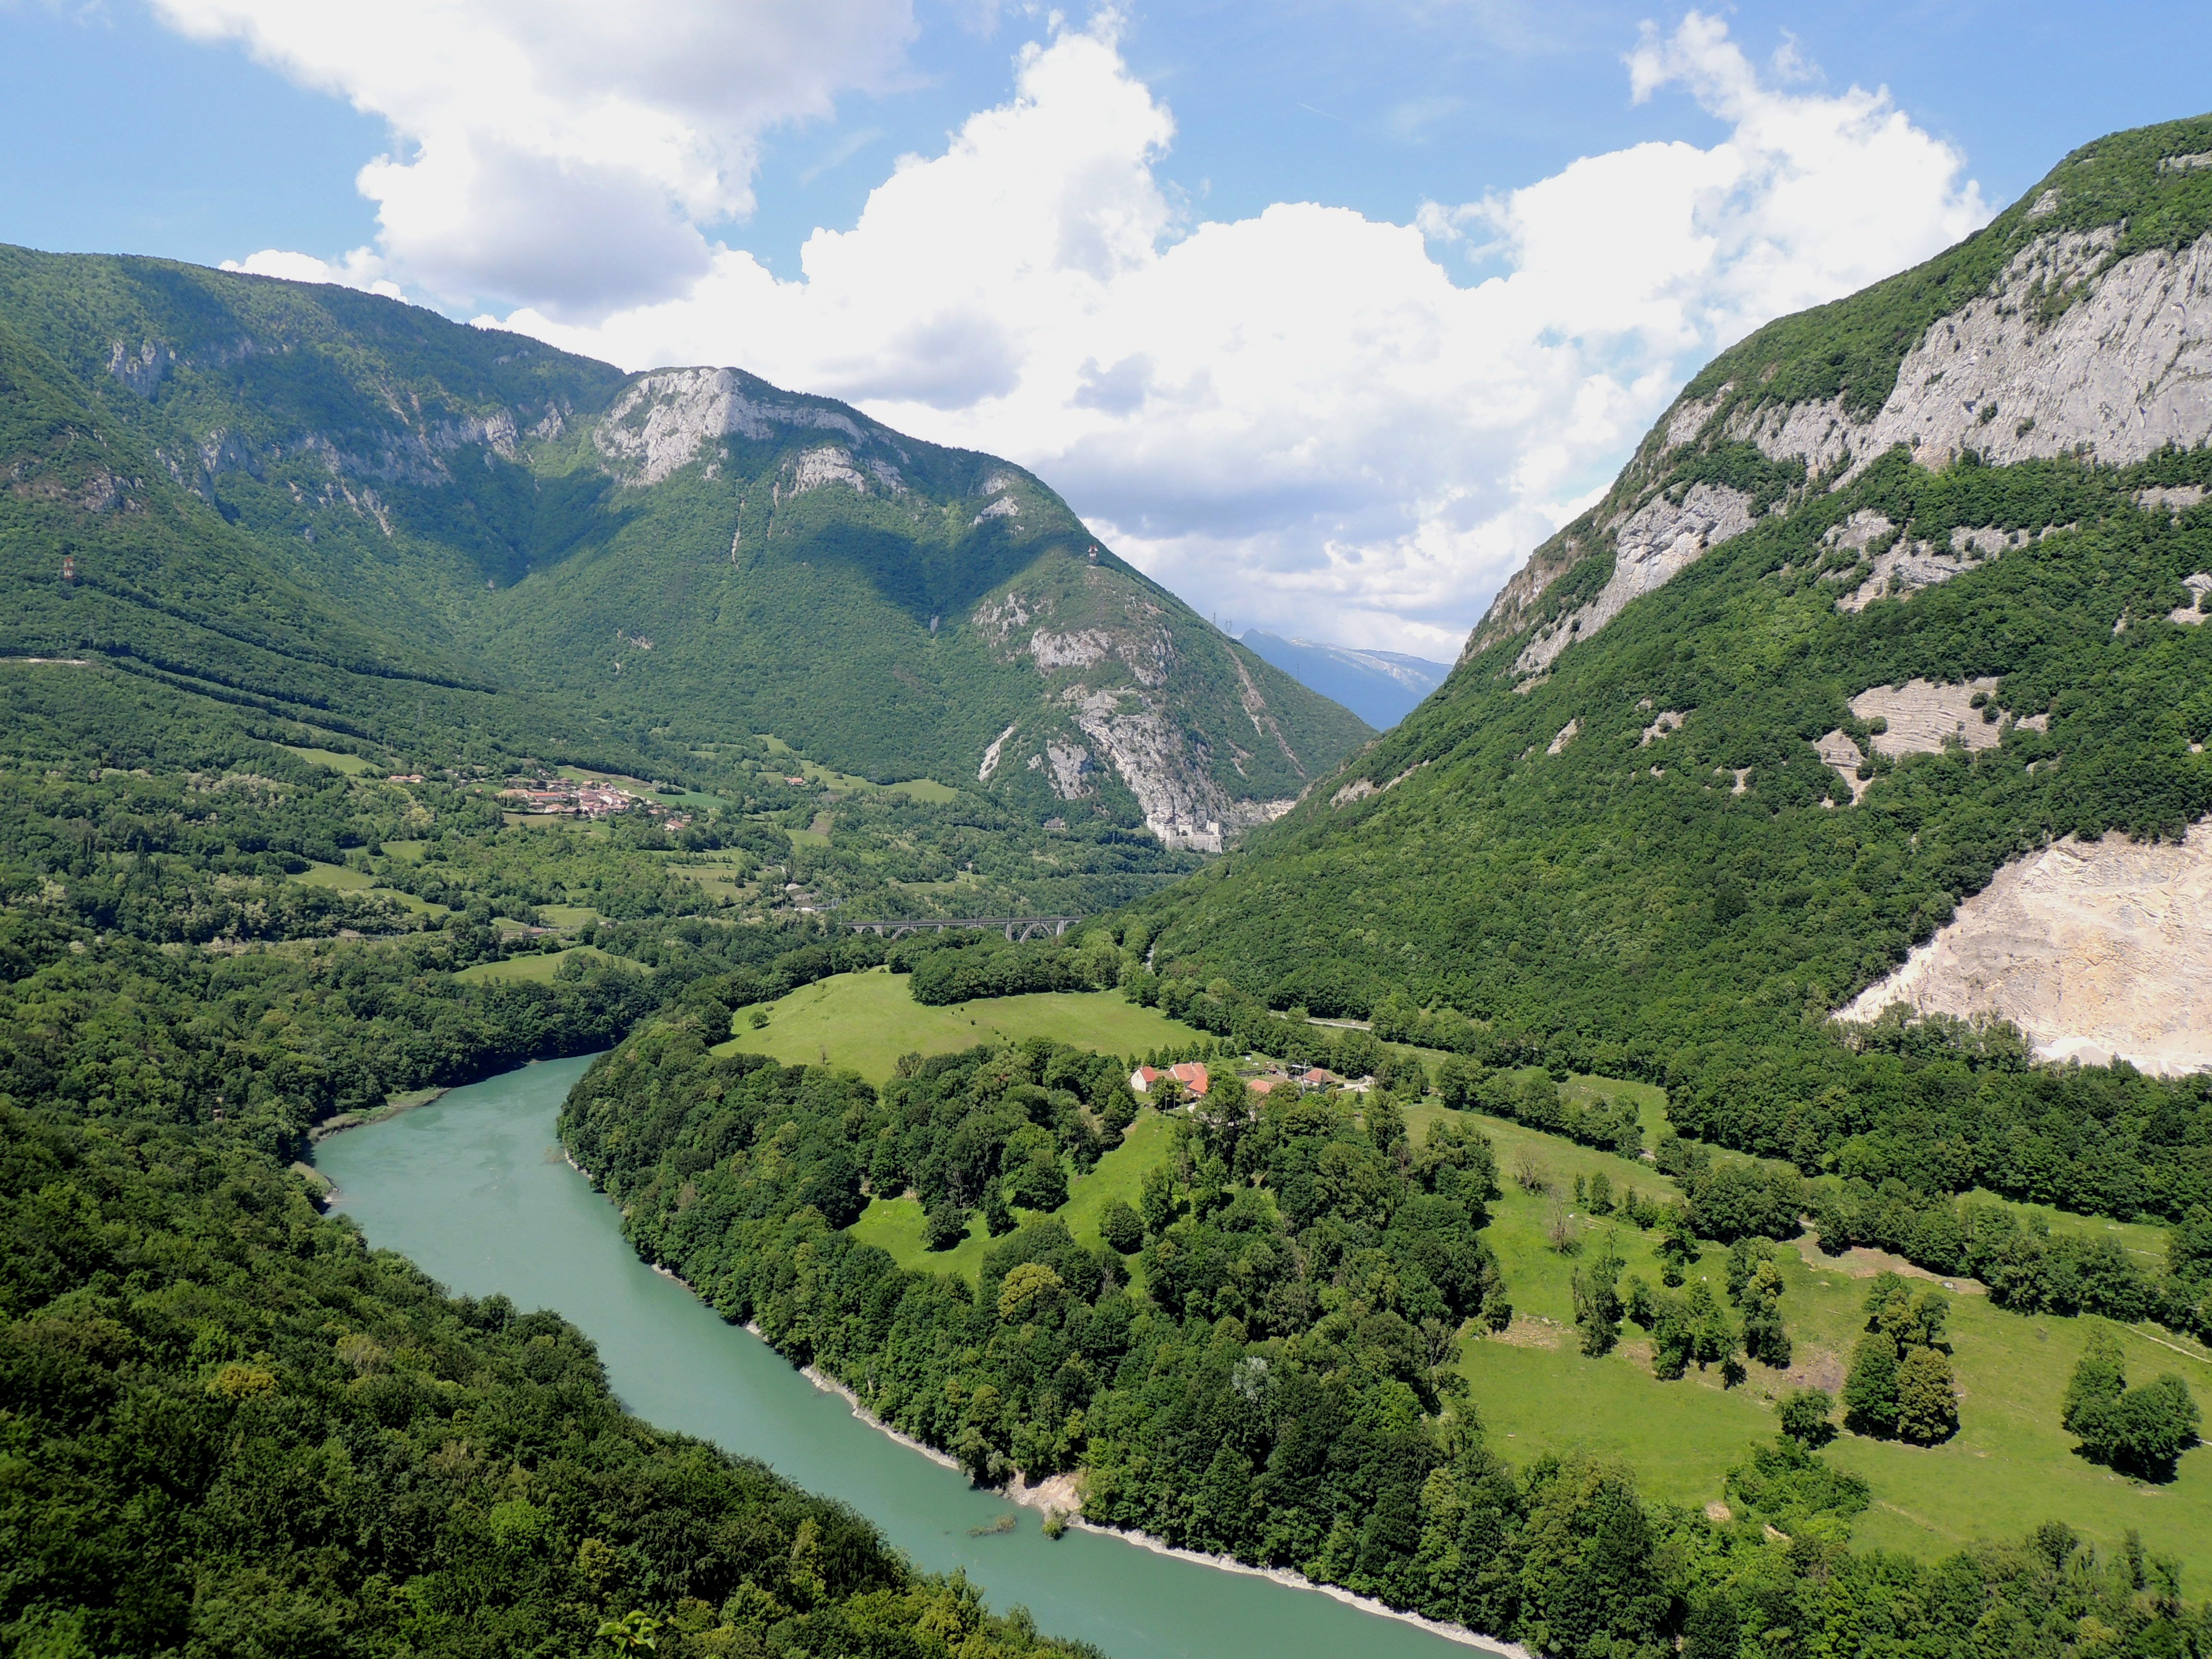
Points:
point(2010, 1467)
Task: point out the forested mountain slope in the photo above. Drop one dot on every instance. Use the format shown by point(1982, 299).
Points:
point(1900, 589)
point(292, 491)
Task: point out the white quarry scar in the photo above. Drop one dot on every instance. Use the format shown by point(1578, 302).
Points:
point(2094, 950)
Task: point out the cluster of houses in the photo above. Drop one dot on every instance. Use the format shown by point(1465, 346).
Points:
point(585, 799)
point(1195, 1082)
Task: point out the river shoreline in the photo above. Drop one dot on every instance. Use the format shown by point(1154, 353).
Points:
point(1063, 1494)
point(1056, 1491)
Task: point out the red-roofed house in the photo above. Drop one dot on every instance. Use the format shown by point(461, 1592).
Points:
point(1193, 1076)
point(1190, 1074)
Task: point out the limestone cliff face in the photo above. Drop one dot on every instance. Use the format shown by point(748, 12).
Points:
point(2077, 327)
point(1651, 546)
point(2123, 370)
point(2068, 345)
point(1120, 675)
point(659, 422)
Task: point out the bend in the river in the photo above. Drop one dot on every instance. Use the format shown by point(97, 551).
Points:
point(475, 1188)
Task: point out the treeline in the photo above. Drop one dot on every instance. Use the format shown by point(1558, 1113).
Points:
point(237, 1430)
point(2026, 1266)
point(1285, 1390)
point(262, 1047)
point(955, 967)
point(1905, 1098)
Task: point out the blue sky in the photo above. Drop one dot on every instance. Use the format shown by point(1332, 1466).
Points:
point(1361, 455)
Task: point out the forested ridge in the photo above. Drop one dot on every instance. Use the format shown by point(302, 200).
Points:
point(1637, 862)
point(321, 504)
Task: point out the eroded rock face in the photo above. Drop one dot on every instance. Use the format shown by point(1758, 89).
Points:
point(1652, 546)
point(660, 420)
point(2199, 584)
point(143, 370)
point(1840, 751)
point(2125, 369)
point(1181, 805)
point(1110, 677)
point(2094, 951)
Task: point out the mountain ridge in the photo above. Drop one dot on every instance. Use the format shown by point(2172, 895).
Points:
point(1658, 807)
point(641, 565)
point(1381, 687)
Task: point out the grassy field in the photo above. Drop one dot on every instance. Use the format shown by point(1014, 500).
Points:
point(2010, 1467)
point(567, 916)
point(352, 765)
point(339, 879)
point(537, 968)
point(928, 791)
point(921, 789)
point(335, 877)
point(895, 1224)
point(719, 875)
point(867, 1020)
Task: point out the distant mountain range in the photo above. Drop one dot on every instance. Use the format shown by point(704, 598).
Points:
point(1381, 687)
point(346, 509)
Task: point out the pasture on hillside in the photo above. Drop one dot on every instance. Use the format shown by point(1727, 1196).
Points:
point(2010, 1467)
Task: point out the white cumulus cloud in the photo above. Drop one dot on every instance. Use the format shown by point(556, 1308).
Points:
point(1307, 419)
point(564, 153)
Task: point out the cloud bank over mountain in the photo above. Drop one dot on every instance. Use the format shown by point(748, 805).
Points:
point(1307, 418)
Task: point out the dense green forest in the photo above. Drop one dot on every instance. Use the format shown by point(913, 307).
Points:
point(227, 1427)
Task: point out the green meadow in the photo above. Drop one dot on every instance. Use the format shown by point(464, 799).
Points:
point(538, 969)
point(2010, 1467)
point(339, 879)
point(866, 1021)
point(352, 765)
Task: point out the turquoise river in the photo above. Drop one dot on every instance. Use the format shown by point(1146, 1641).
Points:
point(474, 1188)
